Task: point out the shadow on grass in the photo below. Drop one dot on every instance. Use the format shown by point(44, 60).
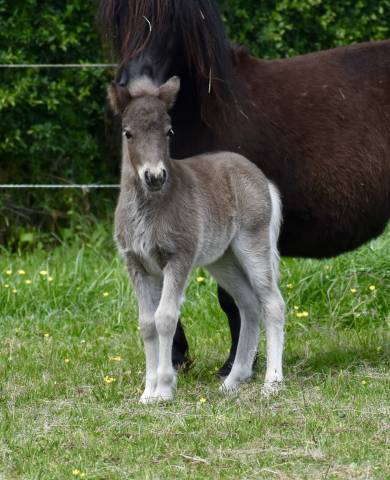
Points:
point(339, 358)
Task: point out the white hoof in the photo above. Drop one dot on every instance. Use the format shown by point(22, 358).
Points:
point(147, 399)
point(162, 397)
point(165, 392)
point(270, 389)
point(147, 396)
point(229, 388)
point(157, 397)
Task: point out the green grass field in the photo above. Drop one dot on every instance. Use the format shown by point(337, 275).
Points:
point(71, 373)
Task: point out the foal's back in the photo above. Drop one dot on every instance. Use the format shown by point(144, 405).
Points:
point(230, 185)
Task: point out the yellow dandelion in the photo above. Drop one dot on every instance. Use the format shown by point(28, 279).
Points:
point(8, 272)
point(105, 294)
point(200, 279)
point(14, 290)
point(49, 279)
point(109, 379)
point(66, 360)
point(305, 314)
point(290, 285)
point(353, 290)
point(21, 272)
point(202, 400)
point(296, 307)
point(116, 358)
point(76, 472)
point(6, 285)
point(46, 335)
point(28, 282)
point(364, 382)
point(372, 288)
point(43, 273)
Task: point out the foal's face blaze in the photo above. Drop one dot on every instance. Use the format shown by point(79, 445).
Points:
point(147, 130)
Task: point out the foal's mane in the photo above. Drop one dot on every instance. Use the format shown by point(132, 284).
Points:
point(128, 25)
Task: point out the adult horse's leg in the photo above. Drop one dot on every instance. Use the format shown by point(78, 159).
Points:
point(180, 345)
point(180, 348)
point(230, 308)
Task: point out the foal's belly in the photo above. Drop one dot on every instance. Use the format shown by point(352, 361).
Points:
point(214, 248)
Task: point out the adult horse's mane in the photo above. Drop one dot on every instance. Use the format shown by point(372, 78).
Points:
point(129, 25)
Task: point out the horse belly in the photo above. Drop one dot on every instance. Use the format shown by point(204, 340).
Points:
point(213, 247)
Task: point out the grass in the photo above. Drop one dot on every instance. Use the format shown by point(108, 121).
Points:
point(71, 369)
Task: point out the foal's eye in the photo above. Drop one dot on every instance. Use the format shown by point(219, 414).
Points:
point(170, 133)
point(127, 134)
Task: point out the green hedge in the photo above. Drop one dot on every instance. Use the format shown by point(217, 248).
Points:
point(289, 27)
point(53, 123)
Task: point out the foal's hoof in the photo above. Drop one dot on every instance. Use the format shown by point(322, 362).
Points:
point(270, 389)
point(147, 400)
point(157, 397)
point(228, 388)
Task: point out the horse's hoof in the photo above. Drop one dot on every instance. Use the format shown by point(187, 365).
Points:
point(225, 369)
point(163, 396)
point(229, 388)
point(181, 363)
point(147, 399)
point(157, 397)
point(270, 389)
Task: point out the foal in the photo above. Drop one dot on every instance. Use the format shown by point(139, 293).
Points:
point(216, 210)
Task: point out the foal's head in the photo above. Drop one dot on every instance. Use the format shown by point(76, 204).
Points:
point(147, 127)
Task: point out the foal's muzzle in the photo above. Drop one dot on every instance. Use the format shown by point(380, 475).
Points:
point(155, 179)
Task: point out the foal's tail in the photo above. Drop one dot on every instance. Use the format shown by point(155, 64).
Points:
point(276, 221)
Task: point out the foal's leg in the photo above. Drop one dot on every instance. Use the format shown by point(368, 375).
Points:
point(260, 262)
point(175, 277)
point(148, 291)
point(231, 277)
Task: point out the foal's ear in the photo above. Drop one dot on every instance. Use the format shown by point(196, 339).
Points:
point(119, 97)
point(169, 90)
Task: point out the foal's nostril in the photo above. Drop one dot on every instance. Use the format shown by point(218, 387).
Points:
point(164, 175)
point(148, 177)
point(155, 181)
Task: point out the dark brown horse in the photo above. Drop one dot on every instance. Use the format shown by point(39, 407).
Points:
point(318, 125)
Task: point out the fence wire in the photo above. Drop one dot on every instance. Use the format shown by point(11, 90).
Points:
point(54, 186)
point(58, 65)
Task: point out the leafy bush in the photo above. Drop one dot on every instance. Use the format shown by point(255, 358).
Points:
point(53, 122)
point(289, 27)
